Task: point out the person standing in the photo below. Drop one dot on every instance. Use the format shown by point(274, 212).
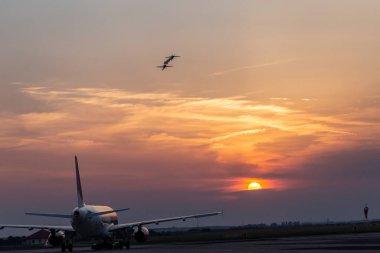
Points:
point(366, 211)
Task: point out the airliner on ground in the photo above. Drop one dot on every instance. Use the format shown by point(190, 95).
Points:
point(98, 223)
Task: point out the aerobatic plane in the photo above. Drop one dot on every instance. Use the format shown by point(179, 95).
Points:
point(170, 58)
point(163, 67)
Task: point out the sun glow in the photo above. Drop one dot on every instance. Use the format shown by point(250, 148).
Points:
point(254, 186)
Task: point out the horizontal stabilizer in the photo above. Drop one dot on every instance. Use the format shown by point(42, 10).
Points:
point(55, 215)
point(31, 227)
point(107, 212)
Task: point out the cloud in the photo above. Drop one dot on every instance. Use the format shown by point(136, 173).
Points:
point(358, 165)
point(14, 101)
point(196, 141)
point(255, 66)
point(245, 132)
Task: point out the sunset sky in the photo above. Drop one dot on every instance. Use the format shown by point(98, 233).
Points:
point(282, 93)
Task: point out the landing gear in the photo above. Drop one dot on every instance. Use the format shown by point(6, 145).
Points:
point(102, 245)
point(127, 245)
point(70, 247)
point(111, 245)
point(67, 246)
point(118, 245)
point(96, 246)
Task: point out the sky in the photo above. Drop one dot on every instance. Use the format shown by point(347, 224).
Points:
point(283, 93)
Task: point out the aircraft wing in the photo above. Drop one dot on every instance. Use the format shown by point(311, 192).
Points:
point(158, 221)
point(31, 227)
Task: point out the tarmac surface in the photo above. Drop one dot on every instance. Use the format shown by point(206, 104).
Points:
point(314, 244)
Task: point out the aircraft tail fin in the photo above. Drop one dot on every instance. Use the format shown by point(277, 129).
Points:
point(79, 186)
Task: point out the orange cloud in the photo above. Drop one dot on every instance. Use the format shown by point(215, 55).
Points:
point(231, 130)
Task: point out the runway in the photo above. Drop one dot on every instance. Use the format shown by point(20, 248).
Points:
point(328, 243)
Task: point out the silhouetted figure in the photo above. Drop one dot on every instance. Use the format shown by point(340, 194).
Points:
point(366, 212)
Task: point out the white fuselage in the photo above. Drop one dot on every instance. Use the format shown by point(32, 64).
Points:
point(93, 226)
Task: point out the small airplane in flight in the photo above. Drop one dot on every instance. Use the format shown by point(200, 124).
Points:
point(170, 58)
point(163, 67)
point(99, 223)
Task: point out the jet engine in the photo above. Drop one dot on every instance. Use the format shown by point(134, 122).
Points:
point(56, 238)
point(141, 234)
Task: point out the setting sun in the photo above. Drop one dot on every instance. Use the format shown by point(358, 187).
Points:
point(254, 186)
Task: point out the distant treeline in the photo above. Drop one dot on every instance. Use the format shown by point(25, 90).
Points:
point(260, 231)
point(12, 240)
